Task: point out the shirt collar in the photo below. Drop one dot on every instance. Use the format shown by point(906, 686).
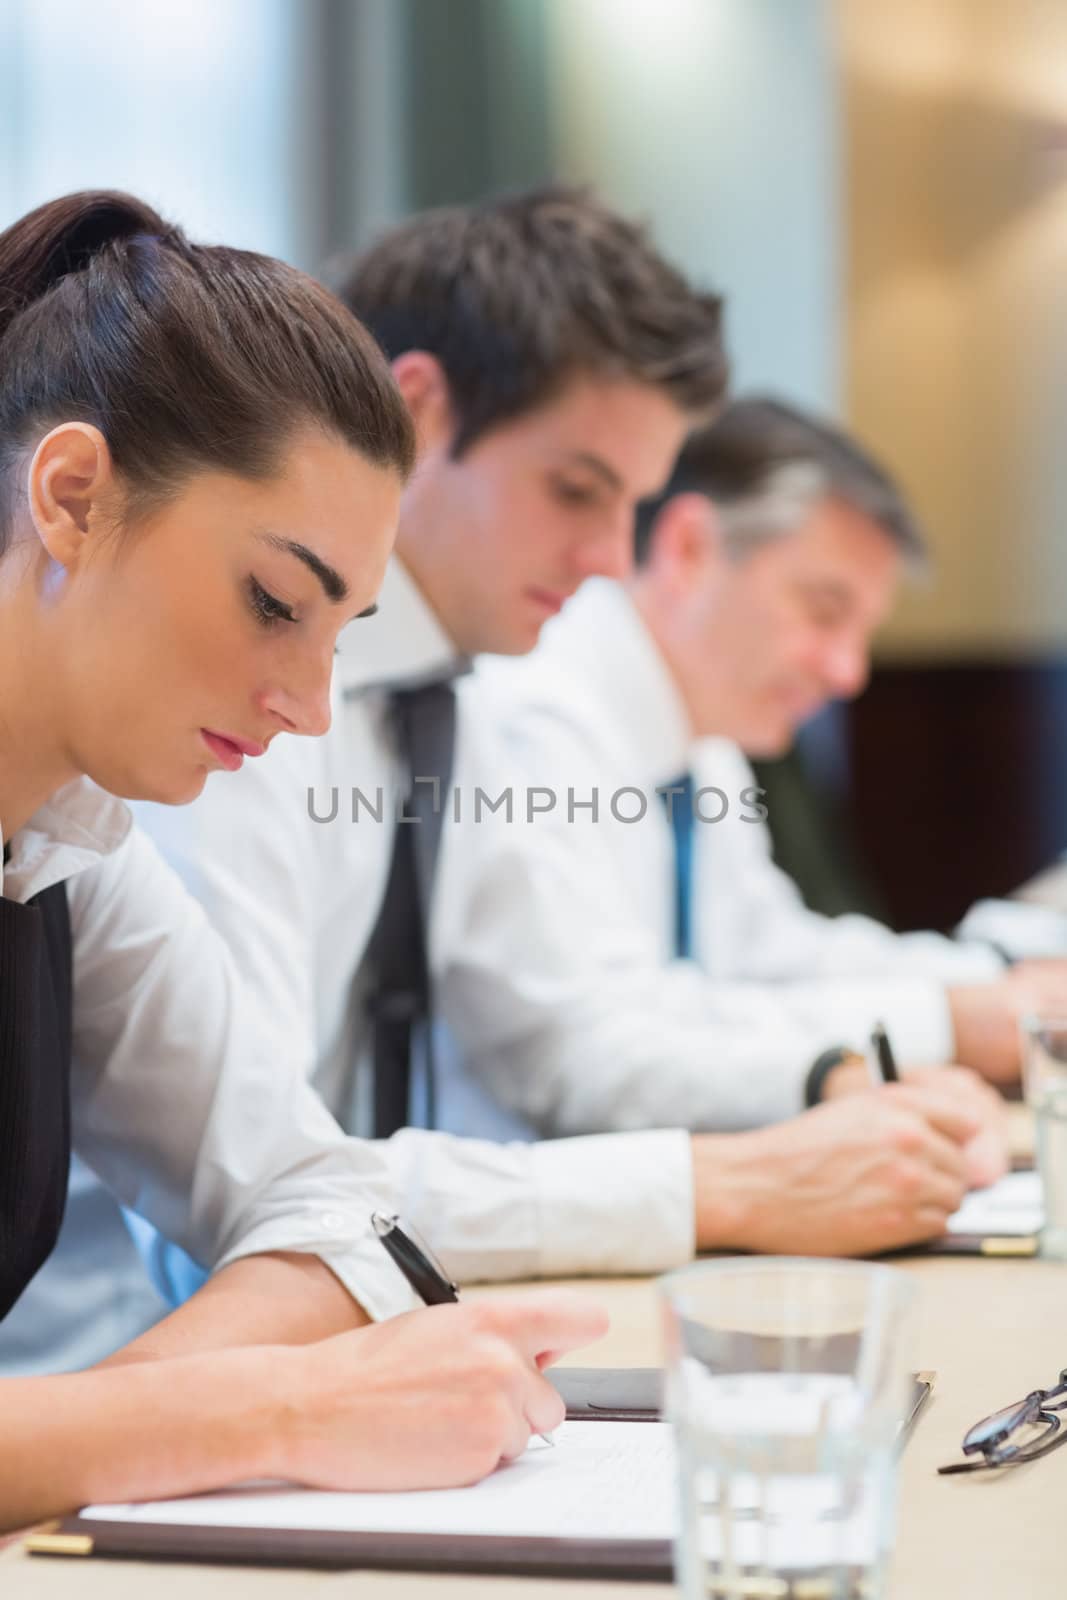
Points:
point(73, 830)
point(403, 645)
point(605, 635)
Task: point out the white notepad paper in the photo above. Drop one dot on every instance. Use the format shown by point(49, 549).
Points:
point(603, 1480)
point(1011, 1208)
point(610, 1481)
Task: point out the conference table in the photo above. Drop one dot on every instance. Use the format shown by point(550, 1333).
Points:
point(990, 1329)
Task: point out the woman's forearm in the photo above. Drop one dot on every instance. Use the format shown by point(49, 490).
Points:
point(267, 1299)
point(137, 1432)
point(431, 1399)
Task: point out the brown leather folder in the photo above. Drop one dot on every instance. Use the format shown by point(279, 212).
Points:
point(627, 1394)
point(607, 1394)
point(610, 1394)
point(646, 1561)
point(1017, 1246)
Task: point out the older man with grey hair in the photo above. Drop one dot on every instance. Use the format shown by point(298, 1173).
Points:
point(690, 982)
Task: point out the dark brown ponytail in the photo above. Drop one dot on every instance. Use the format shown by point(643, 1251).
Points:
point(186, 357)
point(60, 238)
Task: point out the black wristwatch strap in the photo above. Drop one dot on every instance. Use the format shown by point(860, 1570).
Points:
point(821, 1069)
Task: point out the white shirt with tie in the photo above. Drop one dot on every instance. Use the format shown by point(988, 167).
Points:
point(632, 1036)
point(296, 899)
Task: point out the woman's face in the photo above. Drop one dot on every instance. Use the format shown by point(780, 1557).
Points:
point(185, 644)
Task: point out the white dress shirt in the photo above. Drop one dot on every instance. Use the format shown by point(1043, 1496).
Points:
point(632, 1036)
point(184, 1101)
point(297, 900)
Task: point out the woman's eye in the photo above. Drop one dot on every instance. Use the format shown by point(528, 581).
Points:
point(266, 607)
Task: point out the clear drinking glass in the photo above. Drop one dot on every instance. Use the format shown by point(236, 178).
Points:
point(1045, 1080)
point(787, 1384)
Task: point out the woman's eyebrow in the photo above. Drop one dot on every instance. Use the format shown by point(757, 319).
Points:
point(334, 586)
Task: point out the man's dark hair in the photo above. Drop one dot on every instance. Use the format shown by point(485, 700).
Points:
point(762, 457)
point(516, 296)
point(186, 357)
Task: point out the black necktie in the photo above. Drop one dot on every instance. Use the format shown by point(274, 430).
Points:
point(400, 999)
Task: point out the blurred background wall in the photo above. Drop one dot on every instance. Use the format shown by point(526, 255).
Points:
point(954, 199)
point(880, 190)
point(955, 207)
point(300, 126)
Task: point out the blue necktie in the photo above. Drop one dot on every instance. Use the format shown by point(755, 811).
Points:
point(677, 797)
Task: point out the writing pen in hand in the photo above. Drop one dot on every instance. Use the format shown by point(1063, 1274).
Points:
point(418, 1266)
point(883, 1054)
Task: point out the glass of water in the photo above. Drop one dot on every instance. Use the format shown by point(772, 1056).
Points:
point(1045, 1080)
point(788, 1382)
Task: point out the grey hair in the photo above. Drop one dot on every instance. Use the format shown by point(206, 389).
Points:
point(767, 465)
point(786, 498)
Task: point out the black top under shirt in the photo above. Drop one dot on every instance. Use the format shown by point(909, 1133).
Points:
point(35, 1049)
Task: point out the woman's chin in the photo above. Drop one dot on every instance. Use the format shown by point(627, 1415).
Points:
point(178, 790)
point(180, 794)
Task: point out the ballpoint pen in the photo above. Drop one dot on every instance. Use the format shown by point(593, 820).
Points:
point(415, 1262)
point(883, 1054)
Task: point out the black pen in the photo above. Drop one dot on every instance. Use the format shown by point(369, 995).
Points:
point(883, 1054)
point(418, 1266)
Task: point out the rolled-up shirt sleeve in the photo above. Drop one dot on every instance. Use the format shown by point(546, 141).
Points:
point(186, 1106)
point(609, 1204)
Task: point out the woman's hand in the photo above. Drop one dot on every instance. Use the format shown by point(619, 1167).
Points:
point(434, 1398)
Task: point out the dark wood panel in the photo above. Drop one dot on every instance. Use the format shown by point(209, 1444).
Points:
point(957, 782)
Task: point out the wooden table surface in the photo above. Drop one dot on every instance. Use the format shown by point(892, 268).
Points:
point(991, 1330)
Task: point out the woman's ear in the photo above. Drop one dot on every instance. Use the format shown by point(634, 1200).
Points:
point(421, 379)
point(69, 478)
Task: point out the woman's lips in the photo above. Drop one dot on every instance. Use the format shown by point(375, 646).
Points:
point(230, 751)
point(549, 599)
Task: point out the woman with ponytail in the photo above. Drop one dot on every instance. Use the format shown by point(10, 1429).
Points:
point(201, 457)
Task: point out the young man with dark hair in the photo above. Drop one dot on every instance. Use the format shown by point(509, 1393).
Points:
point(518, 296)
point(553, 361)
point(553, 364)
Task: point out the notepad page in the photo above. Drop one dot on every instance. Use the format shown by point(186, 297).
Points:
point(1011, 1208)
point(602, 1480)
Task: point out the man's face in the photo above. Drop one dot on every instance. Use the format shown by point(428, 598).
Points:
point(761, 642)
point(501, 537)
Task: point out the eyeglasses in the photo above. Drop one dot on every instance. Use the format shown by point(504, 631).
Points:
point(1008, 1437)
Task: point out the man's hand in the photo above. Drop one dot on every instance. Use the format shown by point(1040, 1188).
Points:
point(988, 1153)
point(862, 1174)
point(986, 1016)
